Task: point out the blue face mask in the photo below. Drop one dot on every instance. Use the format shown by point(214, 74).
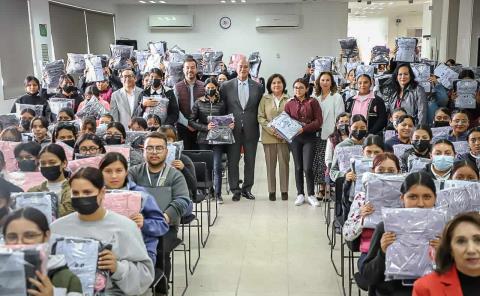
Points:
point(443, 162)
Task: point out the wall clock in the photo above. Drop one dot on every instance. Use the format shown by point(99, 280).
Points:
point(225, 22)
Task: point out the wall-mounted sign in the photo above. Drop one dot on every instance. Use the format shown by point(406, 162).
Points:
point(43, 30)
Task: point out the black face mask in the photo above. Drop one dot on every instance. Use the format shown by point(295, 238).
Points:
point(152, 128)
point(113, 140)
point(390, 126)
point(86, 205)
point(51, 173)
point(440, 123)
point(25, 124)
point(83, 156)
point(211, 92)
point(343, 128)
point(27, 165)
point(3, 212)
point(421, 145)
point(70, 143)
point(359, 134)
point(156, 83)
point(69, 88)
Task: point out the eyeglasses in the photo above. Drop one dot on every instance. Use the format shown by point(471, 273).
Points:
point(91, 149)
point(127, 76)
point(155, 149)
point(460, 121)
point(26, 238)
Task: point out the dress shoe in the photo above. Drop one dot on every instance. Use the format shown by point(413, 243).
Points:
point(248, 195)
point(284, 196)
point(236, 197)
point(219, 198)
point(271, 196)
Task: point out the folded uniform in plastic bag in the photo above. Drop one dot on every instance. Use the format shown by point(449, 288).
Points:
point(81, 255)
point(160, 109)
point(322, 64)
point(8, 120)
point(461, 147)
point(255, 62)
point(135, 138)
point(408, 257)
point(416, 164)
point(400, 149)
point(344, 154)
point(8, 148)
point(176, 54)
point(123, 202)
point(360, 165)
point(422, 74)
point(440, 133)
point(51, 75)
point(285, 126)
point(466, 93)
point(120, 56)
point(382, 191)
point(93, 65)
point(349, 66)
point(154, 60)
point(212, 62)
point(456, 199)
point(93, 108)
point(221, 133)
point(445, 75)
point(57, 104)
point(159, 47)
point(142, 57)
point(349, 46)
point(84, 161)
point(75, 63)
point(21, 107)
point(174, 73)
point(380, 55)
point(122, 149)
point(365, 69)
point(45, 202)
point(388, 134)
point(406, 49)
point(18, 263)
point(175, 150)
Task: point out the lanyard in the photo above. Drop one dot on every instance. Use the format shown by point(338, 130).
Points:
point(159, 177)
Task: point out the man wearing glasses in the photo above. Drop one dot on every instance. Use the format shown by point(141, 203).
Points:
point(125, 100)
point(169, 188)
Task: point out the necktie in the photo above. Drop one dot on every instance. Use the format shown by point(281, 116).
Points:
point(243, 94)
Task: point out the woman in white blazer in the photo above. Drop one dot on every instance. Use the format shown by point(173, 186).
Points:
point(332, 105)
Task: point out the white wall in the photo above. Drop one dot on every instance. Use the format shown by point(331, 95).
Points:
point(284, 51)
point(409, 21)
point(377, 28)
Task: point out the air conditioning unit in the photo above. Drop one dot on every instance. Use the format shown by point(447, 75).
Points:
point(278, 21)
point(179, 21)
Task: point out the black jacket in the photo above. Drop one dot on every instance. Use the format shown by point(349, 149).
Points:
point(172, 109)
point(35, 99)
point(114, 82)
point(202, 108)
point(377, 114)
point(373, 271)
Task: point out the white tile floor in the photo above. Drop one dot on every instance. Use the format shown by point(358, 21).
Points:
point(265, 248)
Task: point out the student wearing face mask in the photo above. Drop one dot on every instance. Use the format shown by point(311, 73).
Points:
point(66, 133)
point(26, 116)
point(404, 128)
point(421, 146)
point(115, 134)
point(457, 269)
point(67, 89)
point(26, 155)
point(417, 191)
point(358, 132)
point(442, 117)
point(465, 170)
point(340, 133)
point(32, 96)
point(353, 231)
point(442, 156)
point(29, 226)
point(392, 120)
point(153, 122)
point(53, 166)
point(128, 263)
point(459, 124)
point(209, 105)
point(156, 88)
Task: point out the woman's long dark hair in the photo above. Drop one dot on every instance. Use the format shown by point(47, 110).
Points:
point(392, 83)
point(112, 157)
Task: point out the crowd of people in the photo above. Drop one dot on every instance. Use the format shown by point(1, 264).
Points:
point(335, 115)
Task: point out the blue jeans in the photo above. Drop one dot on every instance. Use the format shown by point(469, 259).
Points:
point(217, 165)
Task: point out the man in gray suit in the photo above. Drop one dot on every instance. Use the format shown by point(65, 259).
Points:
point(242, 96)
point(125, 100)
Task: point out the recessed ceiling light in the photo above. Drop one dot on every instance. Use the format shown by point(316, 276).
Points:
point(163, 2)
point(244, 1)
point(143, 2)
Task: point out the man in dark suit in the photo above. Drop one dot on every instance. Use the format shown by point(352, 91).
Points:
point(242, 97)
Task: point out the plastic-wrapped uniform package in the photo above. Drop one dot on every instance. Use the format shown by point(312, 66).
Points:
point(344, 154)
point(466, 90)
point(93, 108)
point(221, 134)
point(388, 134)
point(8, 120)
point(416, 164)
point(160, 108)
point(152, 61)
point(135, 138)
point(360, 165)
point(400, 149)
point(122, 149)
point(382, 191)
point(84, 161)
point(57, 104)
point(406, 49)
point(51, 75)
point(349, 46)
point(440, 132)
point(123, 202)
point(422, 74)
point(45, 202)
point(349, 66)
point(159, 47)
point(142, 57)
point(365, 69)
point(380, 55)
point(285, 126)
point(198, 57)
point(120, 55)
point(174, 73)
point(18, 263)
point(458, 197)
point(255, 62)
point(176, 54)
point(445, 75)
point(75, 63)
point(322, 64)
point(461, 147)
point(212, 62)
point(175, 150)
point(408, 257)
point(20, 107)
point(93, 65)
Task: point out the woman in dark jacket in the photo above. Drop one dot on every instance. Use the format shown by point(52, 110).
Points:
point(67, 89)
point(421, 147)
point(369, 105)
point(156, 88)
point(209, 105)
point(32, 95)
